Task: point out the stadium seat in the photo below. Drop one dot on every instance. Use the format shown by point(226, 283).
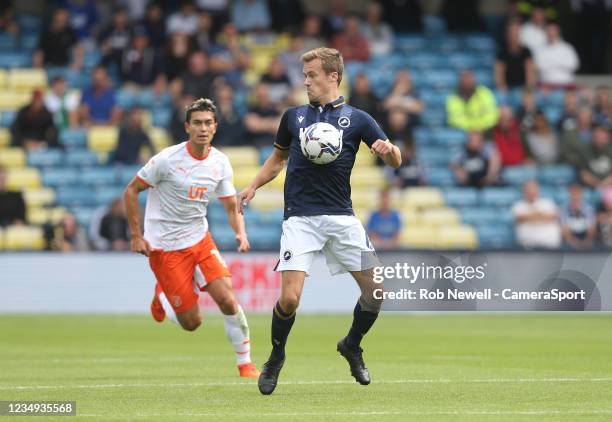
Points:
point(434, 156)
point(446, 43)
point(479, 215)
point(22, 178)
point(425, 60)
point(422, 136)
point(242, 156)
point(12, 157)
point(422, 197)
point(3, 78)
point(368, 177)
point(160, 138)
point(38, 197)
point(83, 215)
point(125, 174)
point(263, 238)
point(73, 138)
point(7, 117)
point(440, 217)
point(440, 176)
point(433, 24)
point(462, 60)
point(75, 196)
point(24, 238)
point(102, 138)
point(500, 196)
point(161, 116)
point(15, 59)
point(268, 199)
point(418, 237)
point(559, 175)
point(441, 79)
point(410, 43)
point(433, 117)
point(40, 216)
point(495, 235)
point(457, 237)
point(26, 80)
point(106, 194)
point(7, 42)
point(5, 138)
point(98, 176)
point(461, 197)
point(13, 100)
point(448, 137)
point(518, 175)
point(82, 158)
point(264, 153)
point(479, 43)
point(45, 158)
point(243, 176)
point(63, 176)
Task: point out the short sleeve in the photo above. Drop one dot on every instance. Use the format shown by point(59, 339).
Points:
point(283, 136)
point(154, 171)
point(225, 188)
point(371, 131)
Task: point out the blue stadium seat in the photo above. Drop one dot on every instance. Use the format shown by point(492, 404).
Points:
point(148, 99)
point(518, 175)
point(29, 23)
point(425, 60)
point(462, 60)
point(554, 99)
point(479, 42)
point(45, 158)
point(264, 153)
point(549, 192)
point(479, 215)
point(433, 117)
point(560, 174)
point(216, 214)
point(224, 236)
point(448, 137)
point(83, 215)
point(440, 176)
point(81, 158)
point(272, 217)
point(446, 43)
point(73, 138)
point(161, 116)
point(553, 114)
point(441, 79)
point(28, 41)
point(461, 197)
point(495, 236)
point(7, 42)
point(98, 176)
point(433, 98)
point(63, 176)
point(502, 197)
point(91, 59)
point(126, 99)
point(433, 24)
point(106, 194)
point(125, 174)
point(434, 156)
point(15, 59)
point(75, 196)
point(409, 43)
point(7, 117)
point(422, 136)
point(484, 77)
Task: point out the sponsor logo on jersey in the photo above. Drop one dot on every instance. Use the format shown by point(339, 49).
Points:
point(196, 193)
point(300, 119)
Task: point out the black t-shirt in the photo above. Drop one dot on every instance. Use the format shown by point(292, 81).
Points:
point(56, 46)
point(515, 66)
point(12, 207)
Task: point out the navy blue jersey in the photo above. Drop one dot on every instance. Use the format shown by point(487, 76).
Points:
point(323, 189)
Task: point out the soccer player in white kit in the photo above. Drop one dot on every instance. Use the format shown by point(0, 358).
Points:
point(181, 251)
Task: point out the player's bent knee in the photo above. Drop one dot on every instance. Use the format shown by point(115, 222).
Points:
point(370, 302)
point(191, 324)
point(290, 302)
point(228, 305)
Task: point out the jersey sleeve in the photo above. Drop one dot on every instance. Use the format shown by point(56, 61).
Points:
point(225, 188)
point(283, 136)
point(371, 130)
point(154, 171)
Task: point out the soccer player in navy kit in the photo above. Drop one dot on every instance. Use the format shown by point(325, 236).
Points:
point(318, 210)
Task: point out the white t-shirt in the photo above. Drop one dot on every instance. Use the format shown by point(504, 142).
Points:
point(531, 234)
point(175, 216)
point(557, 63)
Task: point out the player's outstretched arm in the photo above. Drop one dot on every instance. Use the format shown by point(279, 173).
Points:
point(130, 198)
point(388, 152)
point(236, 220)
point(271, 168)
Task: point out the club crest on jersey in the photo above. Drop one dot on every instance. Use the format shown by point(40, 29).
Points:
point(287, 255)
point(196, 193)
point(344, 122)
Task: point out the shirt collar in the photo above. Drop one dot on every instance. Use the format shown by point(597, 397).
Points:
point(337, 103)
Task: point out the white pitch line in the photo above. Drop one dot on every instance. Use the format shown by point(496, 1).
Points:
point(322, 382)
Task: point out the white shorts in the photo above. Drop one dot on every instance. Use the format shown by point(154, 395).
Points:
point(341, 238)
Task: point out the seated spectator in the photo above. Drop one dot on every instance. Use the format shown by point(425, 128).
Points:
point(12, 204)
point(604, 218)
point(184, 20)
point(603, 107)
point(197, 80)
point(83, 18)
point(291, 60)
point(596, 162)
point(114, 227)
point(311, 30)
point(262, 119)
point(556, 61)
point(140, 64)
point(228, 57)
point(250, 15)
point(277, 80)
point(176, 56)
point(508, 138)
point(378, 34)
point(479, 164)
point(33, 126)
point(575, 141)
point(8, 22)
point(404, 97)
point(335, 18)
point(58, 44)
point(410, 172)
point(63, 105)
point(177, 121)
point(230, 127)
point(68, 236)
point(472, 107)
point(352, 45)
point(98, 103)
point(114, 39)
point(384, 225)
point(514, 66)
point(578, 224)
point(362, 96)
point(152, 22)
point(203, 38)
point(569, 118)
point(533, 33)
point(528, 109)
point(132, 137)
point(542, 141)
point(536, 219)
point(397, 127)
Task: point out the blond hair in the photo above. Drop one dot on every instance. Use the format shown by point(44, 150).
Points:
point(331, 60)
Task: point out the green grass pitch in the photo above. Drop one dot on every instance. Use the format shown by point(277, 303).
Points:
point(449, 367)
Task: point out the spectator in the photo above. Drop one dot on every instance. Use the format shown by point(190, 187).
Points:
point(62, 104)
point(176, 56)
point(230, 128)
point(277, 80)
point(403, 97)
point(533, 33)
point(556, 61)
point(604, 218)
point(478, 165)
point(115, 38)
point(397, 128)
point(384, 225)
point(250, 15)
point(591, 19)
point(514, 66)
point(177, 121)
point(536, 219)
point(578, 224)
point(33, 126)
point(362, 96)
point(98, 103)
point(461, 16)
point(204, 36)
point(596, 162)
point(603, 107)
point(12, 205)
point(184, 20)
point(410, 173)
point(139, 64)
point(8, 23)
point(263, 118)
point(287, 15)
point(114, 227)
point(542, 141)
point(473, 107)
point(311, 30)
point(378, 34)
point(403, 15)
point(132, 137)
point(197, 80)
point(83, 17)
point(335, 19)
point(508, 138)
point(58, 44)
point(352, 45)
point(291, 60)
point(575, 141)
point(68, 236)
point(528, 110)
point(228, 57)
point(569, 118)
point(152, 22)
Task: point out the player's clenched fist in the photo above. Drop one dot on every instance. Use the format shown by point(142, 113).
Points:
point(244, 198)
point(381, 147)
point(140, 245)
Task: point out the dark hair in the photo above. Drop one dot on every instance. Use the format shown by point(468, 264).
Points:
point(201, 104)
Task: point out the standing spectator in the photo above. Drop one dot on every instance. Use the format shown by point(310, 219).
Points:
point(536, 219)
point(114, 227)
point(362, 96)
point(462, 16)
point(68, 236)
point(604, 218)
point(12, 205)
point(352, 45)
point(176, 55)
point(203, 38)
point(378, 33)
point(277, 80)
point(472, 107)
point(63, 105)
point(263, 118)
point(115, 38)
point(58, 44)
point(177, 121)
point(410, 172)
point(250, 15)
point(184, 20)
point(397, 128)
point(596, 163)
point(603, 107)
point(575, 141)
point(403, 15)
point(533, 34)
point(132, 137)
point(98, 103)
point(514, 66)
point(404, 97)
point(556, 60)
point(197, 80)
point(335, 19)
point(228, 57)
point(230, 127)
point(139, 64)
point(152, 22)
point(592, 21)
point(384, 225)
point(578, 224)
point(33, 126)
point(478, 165)
point(83, 18)
point(542, 141)
point(508, 138)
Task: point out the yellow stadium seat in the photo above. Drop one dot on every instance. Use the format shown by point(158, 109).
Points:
point(13, 100)
point(102, 138)
point(268, 199)
point(12, 157)
point(20, 178)
point(422, 197)
point(242, 157)
point(364, 157)
point(243, 176)
point(40, 216)
point(159, 138)
point(24, 238)
point(1, 238)
point(440, 217)
point(5, 137)
point(3, 78)
point(368, 177)
point(39, 197)
point(458, 237)
point(410, 217)
point(418, 237)
point(25, 80)
point(279, 181)
point(365, 198)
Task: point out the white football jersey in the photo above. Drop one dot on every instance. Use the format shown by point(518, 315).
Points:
point(181, 185)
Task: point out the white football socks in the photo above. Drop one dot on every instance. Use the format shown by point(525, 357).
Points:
point(237, 330)
point(170, 314)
